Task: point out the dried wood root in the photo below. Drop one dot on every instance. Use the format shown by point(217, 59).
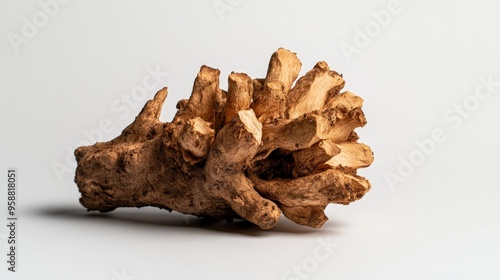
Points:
point(264, 147)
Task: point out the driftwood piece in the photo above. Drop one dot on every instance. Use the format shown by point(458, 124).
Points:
point(264, 147)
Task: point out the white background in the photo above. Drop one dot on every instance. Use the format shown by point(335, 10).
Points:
point(441, 222)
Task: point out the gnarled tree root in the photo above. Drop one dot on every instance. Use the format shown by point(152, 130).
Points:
point(264, 147)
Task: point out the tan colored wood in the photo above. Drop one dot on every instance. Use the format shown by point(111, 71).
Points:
point(264, 147)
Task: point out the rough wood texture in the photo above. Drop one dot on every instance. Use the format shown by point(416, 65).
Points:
point(266, 146)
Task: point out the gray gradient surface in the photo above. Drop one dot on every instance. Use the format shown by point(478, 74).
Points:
point(75, 72)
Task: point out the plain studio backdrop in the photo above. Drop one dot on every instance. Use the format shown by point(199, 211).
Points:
point(76, 72)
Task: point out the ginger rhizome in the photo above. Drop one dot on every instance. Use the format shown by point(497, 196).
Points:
point(265, 147)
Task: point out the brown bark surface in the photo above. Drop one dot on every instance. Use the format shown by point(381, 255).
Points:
point(264, 147)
